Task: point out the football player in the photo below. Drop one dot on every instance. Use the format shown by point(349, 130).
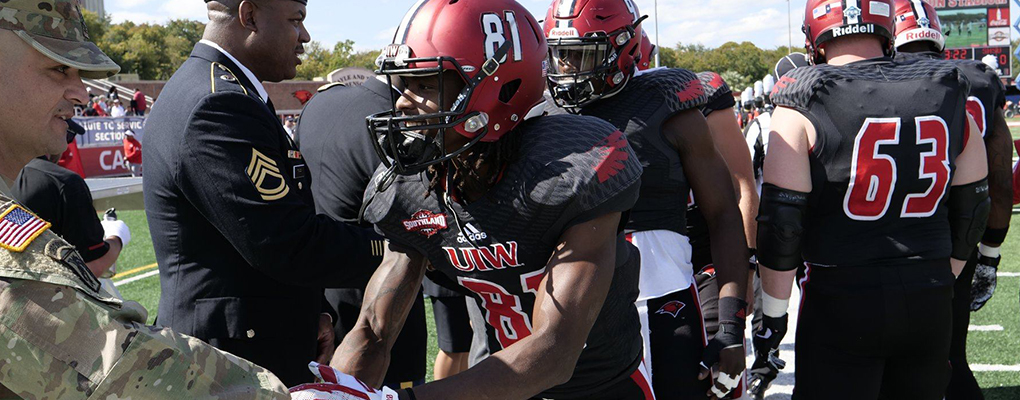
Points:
point(919, 35)
point(592, 71)
point(466, 150)
point(876, 178)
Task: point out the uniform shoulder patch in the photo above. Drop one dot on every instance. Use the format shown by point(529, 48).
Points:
point(266, 176)
point(328, 86)
point(714, 84)
point(795, 89)
point(220, 73)
point(682, 89)
point(19, 227)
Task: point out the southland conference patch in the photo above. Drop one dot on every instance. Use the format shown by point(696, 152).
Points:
point(19, 227)
point(266, 176)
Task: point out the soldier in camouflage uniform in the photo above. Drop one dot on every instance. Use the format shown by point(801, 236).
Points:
point(62, 336)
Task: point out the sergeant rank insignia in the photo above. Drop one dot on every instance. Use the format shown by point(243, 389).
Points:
point(19, 227)
point(266, 176)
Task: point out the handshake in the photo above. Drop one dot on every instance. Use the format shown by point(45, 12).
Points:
point(336, 385)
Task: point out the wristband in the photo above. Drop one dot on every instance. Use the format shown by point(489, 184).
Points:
point(994, 236)
point(732, 309)
point(988, 251)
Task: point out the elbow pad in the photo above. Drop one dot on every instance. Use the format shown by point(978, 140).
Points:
point(969, 206)
point(780, 224)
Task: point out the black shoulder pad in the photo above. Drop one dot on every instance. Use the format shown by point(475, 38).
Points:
point(681, 88)
point(796, 88)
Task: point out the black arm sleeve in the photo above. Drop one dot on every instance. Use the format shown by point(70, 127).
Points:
point(279, 235)
point(780, 225)
point(969, 206)
point(79, 216)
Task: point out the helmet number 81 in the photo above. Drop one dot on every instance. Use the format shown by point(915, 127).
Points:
point(492, 26)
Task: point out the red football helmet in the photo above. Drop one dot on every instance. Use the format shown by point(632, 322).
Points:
point(494, 46)
point(594, 46)
point(917, 21)
point(825, 20)
point(648, 52)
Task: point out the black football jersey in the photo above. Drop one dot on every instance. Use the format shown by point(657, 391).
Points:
point(888, 133)
point(987, 93)
point(639, 110)
point(720, 97)
point(570, 169)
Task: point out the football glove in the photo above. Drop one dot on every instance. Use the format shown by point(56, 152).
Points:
point(336, 385)
point(983, 286)
point(767, 363)
point(725, 352)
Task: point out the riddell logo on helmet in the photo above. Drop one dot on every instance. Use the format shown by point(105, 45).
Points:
point(853, 29)
point(563, 32)
point(923, 34)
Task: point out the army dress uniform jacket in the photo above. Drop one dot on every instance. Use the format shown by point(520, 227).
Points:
point(64, 337)
point(242, 255)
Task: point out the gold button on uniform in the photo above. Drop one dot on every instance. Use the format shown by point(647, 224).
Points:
point(251, 333)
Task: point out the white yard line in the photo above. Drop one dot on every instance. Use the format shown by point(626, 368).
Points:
point(136, 278)
point(985, 328)
point(1007, 274)
point(994, 368)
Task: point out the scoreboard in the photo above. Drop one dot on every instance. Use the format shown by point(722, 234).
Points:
point(975, 29)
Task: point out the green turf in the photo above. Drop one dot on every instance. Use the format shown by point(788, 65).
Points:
point(996, 348)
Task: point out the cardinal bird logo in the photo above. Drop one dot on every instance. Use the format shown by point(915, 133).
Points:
point(672, 308)
point(691, 91)
point(717, 81)
point(782, 84)
point(614, 153)
point(303, 96)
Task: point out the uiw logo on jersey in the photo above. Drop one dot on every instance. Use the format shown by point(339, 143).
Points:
point(487, 258)
point(425, 222)
point(473, 234)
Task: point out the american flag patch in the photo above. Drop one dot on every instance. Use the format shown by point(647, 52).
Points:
point(19, 227)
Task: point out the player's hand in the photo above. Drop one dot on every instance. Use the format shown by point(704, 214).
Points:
point(332, 384)
point(983, 286)
point(326, 340)
point(725, 355)
point(766, 355)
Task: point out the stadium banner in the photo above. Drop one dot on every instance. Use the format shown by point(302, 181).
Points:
point(106, 131)
point(976, 29)
point(101, 148)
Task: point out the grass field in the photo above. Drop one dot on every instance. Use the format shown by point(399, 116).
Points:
point(995, 350)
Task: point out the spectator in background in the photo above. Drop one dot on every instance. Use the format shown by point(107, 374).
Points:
point(132, 153)
point(112, 94)
point(104, 104)
point(288, 125)
point(99, 107)
point(89, 110)
point(138, 102)
point(117, 110)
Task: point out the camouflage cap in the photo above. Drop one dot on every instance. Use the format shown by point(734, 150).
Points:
point(56, 29)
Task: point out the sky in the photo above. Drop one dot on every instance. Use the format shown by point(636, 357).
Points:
point(371, 23)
